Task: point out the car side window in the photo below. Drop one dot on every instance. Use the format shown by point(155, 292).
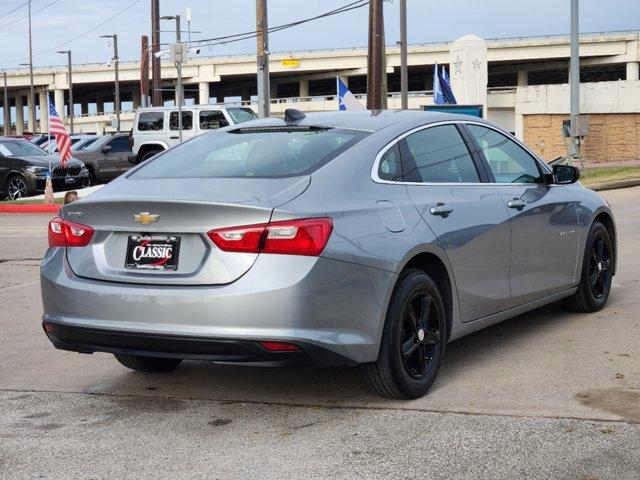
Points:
point(390, 167)
point(119, 145)
point(509, 162)
point(150, 121)
point(439, 155)
point(212, 119)
point(187, 120)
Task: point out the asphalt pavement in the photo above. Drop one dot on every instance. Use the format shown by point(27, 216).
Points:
point(549, 394)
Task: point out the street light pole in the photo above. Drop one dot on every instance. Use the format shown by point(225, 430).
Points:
point(178, 63)
point(116, 62)
point(6, 108)
point(32, 96)
point(404, 80)
point(574, 74)
point(68, 52)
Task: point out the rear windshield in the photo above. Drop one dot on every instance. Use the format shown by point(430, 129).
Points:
point(251, 153)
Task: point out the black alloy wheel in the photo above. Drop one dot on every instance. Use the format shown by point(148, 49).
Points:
point(413, 339)
point(597, 272)
point(17, 187)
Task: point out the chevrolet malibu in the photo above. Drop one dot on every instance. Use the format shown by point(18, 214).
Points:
point(371, 238)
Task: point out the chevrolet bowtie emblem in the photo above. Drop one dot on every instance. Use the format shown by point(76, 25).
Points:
point(145, 218)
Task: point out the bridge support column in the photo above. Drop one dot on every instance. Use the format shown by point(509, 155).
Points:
point(523, 78)
point(58, 100)
point(100, 105)
point(19, 114)
point(633, 70)
point(274, 90)
point(84, 108)
point(303, 89)
point(203, 93)
point(246, 93)
point(136, 97)
point(30, 108)
point(44, 111)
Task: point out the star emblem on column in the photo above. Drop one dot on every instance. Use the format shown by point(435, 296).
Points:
point(457, 65)
point(476, 64)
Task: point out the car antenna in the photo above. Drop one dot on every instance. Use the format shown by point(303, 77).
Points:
point(292, 115)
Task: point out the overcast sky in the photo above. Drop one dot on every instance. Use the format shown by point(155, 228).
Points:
point(428, 21)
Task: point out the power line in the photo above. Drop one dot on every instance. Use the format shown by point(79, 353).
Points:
point(27, 16)
point(252, 34)
point(16, 8)
point(77, 37)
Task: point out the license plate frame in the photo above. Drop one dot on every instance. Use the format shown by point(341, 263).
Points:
point(152, 254)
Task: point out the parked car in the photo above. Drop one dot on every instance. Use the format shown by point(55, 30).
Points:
point(367, 238)
point(107, 157)
point(156, 129)
point(24, 166)
point(77, 141)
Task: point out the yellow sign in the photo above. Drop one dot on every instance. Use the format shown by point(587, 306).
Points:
point(290, 63)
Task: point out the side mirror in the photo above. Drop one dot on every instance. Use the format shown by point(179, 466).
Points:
point(565, 174)
point(106, 149)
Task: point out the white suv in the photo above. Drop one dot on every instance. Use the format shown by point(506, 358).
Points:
point(156, 128)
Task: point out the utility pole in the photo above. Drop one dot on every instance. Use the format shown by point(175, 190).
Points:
point(375, 57)
point(68, 52)
point(6, 108)
point(32, 96)
point(574, 76)
point(178, 54)
point(264, 88)
point(144, 72)
point(404, 78)
point(116, 61)
point(156, 81)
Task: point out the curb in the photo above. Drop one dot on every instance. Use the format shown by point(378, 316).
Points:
point(17, 208)
point(633, 182)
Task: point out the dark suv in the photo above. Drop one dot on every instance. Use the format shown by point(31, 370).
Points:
point(24, 167)
point(107, 157)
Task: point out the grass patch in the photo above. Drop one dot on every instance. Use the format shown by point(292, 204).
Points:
point(35, 201)
point(609, 174)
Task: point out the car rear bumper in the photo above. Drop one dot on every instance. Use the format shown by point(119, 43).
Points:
point(246, 352)
point(334, 310)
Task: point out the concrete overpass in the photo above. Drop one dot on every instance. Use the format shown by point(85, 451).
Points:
point(527, 76)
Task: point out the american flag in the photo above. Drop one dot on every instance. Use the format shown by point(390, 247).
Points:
point(56, 127)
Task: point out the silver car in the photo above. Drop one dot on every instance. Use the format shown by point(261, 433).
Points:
point(368, 238)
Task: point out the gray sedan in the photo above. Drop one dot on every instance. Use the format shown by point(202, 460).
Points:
point(347, 238)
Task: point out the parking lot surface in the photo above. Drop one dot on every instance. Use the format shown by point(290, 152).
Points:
point(547, 394)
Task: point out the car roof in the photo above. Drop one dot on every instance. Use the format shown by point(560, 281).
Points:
point(188, 107)
point(369, 120)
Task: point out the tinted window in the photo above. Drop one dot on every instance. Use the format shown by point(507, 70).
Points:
point(211, 119)
point(187, 121)
point(508, 161)
point(239, 115)
point(150, 121)
point(119, 145)
point(390, 168)
point(254, 153)
point(439, 155)
point(20, 147)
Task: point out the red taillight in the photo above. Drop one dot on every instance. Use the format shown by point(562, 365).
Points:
point(306, 236)
point(64, 233)
point(279, 346)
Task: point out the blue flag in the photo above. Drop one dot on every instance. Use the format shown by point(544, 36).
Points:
point(346, 99)
point(442, 93)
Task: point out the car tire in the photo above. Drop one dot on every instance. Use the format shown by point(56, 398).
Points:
point(597, 272)
point(92, 175)
point(413, 339)
point(148, 155)
point(17, 187)
point(147, 364)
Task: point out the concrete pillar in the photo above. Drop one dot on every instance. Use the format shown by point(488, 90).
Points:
point(633, 70)
point(246, 93)
point(303, 88)
point(220, 98)
point(100, 105)
point(44, 111)
point(84, 108)
point(523, 78)
point(135, 97)
point(203, 93)
point(19, 115)
point(274, 90)
point(469, 71)
point(58, 101)
point(30, 108)
point(519, 126)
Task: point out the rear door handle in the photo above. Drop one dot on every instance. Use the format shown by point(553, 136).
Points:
point(516, 203)
point(441, 209)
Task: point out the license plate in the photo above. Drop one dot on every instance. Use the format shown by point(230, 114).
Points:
point(69, 180)
point(153, 252)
